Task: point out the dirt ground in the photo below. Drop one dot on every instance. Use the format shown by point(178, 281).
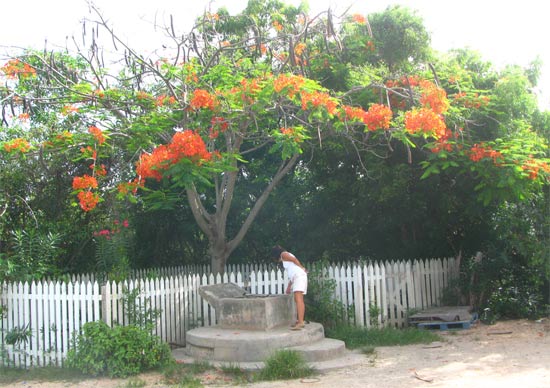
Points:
point(507, 354)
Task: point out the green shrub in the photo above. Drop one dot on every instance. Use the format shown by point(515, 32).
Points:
point(31, 255)
point(321, 305)
point(516, 294)
point(119, 351)
point(139, 313)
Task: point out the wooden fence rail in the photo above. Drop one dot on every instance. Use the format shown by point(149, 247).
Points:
point(49, 313)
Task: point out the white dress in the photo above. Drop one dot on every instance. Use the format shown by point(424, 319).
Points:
point(296, 275)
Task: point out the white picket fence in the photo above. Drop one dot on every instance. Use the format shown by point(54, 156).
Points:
point(49, 313)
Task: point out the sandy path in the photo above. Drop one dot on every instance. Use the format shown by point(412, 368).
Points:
point(508, 354)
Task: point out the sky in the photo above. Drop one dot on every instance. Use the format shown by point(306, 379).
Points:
point(505, 32)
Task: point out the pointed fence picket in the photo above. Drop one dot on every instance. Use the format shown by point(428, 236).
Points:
point(51, 312)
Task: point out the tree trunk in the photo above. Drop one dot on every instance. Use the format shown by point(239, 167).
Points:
point(219, 253)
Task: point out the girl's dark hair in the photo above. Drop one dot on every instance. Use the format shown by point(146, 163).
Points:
point(276, 251)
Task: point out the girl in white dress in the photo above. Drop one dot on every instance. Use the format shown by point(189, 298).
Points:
point(297, 276)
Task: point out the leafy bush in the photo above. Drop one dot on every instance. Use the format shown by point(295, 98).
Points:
point(31, 255)
point(321, 305)
point(139, 312)
point(119, 351)
point(113, 247)
point(516, 295)
point(502, 285)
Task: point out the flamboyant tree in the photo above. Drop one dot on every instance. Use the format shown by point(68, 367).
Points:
point(189, 126)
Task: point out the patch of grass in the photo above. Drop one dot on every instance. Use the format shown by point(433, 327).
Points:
point(189, 381)
point(357, 337)
point(134, 382)
point(184, 375)
point(236, 373)
point(232, 369)
point(369, 350)
point(48, 373)
point(199, 367)
point(284, 365)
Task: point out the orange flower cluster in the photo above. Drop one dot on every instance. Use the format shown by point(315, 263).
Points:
point(292, 134)
point(126, 187)
point(99, 171)
point(480, 151)
point(425, 121)
point(100, 93)
point(218, 123)
point(378, 117)
point(533, 167)
point(192, 77)
point(151, 165)
point(84, 182)
point(299, 48)
point(354, 113)
point(24, 116)
point(292, 83)
point(14, 68)
point(278, 26)
point(18, 144)
point(87, 200)
point(98, 134)
point(317, 99)
point(370, 45)
point(190, 73)
point(186, 144)
point(411, 81)
point(433, 97)
point(89, 152)
point(248, 89)
point(358, 18)
point(59, 140)
point(65, 136)
point(213, 16)
point(203, 99)
point(141, 95)
point(68, 109)
point(474, 101)
point(165, 100)
point(442, 143)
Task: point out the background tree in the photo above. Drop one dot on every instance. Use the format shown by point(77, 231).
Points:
point(270, 91)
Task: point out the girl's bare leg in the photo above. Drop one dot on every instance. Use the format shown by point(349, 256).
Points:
point(300, 307)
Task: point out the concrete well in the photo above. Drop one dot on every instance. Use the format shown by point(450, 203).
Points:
point(250, 328)
point(235, 309)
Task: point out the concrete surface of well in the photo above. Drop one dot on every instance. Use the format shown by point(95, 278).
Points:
point(236, 309)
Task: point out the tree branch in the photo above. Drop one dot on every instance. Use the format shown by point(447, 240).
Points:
point(283, 170)
point(200, 214)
